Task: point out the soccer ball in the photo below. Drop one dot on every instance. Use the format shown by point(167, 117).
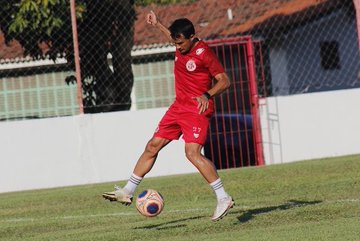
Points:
point(150, 203)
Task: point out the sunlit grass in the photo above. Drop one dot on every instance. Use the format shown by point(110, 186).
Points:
point(309, 200)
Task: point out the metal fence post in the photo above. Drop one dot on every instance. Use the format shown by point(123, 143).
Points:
point(76, 56)
point(254, 102)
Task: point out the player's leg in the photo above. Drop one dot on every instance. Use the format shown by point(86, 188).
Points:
point(194, 127)
point(166, 131)
point(143, 166)
point(145, 163)
point(204, 165)
point(209, 172)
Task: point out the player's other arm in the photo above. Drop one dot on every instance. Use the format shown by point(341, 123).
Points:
point(154, 21)
point(222, 84)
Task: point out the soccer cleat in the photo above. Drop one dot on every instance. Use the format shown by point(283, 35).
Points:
point(222, 208)
point(118, 195)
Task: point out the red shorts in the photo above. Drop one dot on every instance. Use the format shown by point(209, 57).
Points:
point(177, 121)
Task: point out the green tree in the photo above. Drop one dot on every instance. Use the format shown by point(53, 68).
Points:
point(104, 26)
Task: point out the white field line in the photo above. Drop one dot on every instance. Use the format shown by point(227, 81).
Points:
point(122, 214)
point(118, 214)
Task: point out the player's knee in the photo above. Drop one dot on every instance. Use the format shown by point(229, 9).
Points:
point(153, 147)
point(191, 154)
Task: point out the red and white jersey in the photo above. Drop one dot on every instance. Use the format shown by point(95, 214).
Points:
point(193, 75)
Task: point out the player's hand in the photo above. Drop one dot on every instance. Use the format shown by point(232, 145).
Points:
point(151, 18)
point(203, 103)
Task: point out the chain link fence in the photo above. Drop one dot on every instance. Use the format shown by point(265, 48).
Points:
point(302, 46)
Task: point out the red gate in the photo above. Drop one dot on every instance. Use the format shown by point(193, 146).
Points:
point(235, 134)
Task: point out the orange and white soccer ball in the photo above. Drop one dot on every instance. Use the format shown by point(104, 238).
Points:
point(150, 203)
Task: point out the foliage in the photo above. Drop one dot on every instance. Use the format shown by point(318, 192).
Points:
point(43, 14)
point(32, 22)
point(104, 26)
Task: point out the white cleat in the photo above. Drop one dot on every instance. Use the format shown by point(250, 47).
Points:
point(222, 208)
point(119, 195)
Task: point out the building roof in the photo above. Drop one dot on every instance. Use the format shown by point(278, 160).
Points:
point(13, 50)
point(212, 19)
point(221, 18)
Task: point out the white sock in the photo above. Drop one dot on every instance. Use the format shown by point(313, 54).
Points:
point(218, 188)
point(132, 184)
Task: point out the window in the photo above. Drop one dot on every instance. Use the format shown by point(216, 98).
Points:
point(153, 84)
point(329, 53)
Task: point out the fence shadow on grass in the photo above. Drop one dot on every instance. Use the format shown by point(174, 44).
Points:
point(179, 223)
point(248, 215)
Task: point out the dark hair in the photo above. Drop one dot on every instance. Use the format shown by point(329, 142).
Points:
point(181, 26)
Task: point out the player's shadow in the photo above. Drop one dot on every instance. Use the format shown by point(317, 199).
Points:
point(169, 225)
point(248, 215)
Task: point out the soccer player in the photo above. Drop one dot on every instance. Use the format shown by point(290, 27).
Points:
point(189, 115)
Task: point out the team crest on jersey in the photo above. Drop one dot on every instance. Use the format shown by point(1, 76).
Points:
point(176, 58)
point(199, 51)
point(196, 132)
point(190, 65)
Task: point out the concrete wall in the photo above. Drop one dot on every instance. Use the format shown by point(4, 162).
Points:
point(308, 126)
point(82, 149)
point(99, 148)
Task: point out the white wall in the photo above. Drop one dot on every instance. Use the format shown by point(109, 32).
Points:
point(104, 147)
point(82, 149)
point(309, 126)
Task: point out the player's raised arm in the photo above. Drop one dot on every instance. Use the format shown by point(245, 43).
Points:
point(152, 19)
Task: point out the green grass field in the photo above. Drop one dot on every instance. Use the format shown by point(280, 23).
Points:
point(308, 200)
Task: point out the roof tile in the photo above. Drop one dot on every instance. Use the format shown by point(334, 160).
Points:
point(210, 18)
